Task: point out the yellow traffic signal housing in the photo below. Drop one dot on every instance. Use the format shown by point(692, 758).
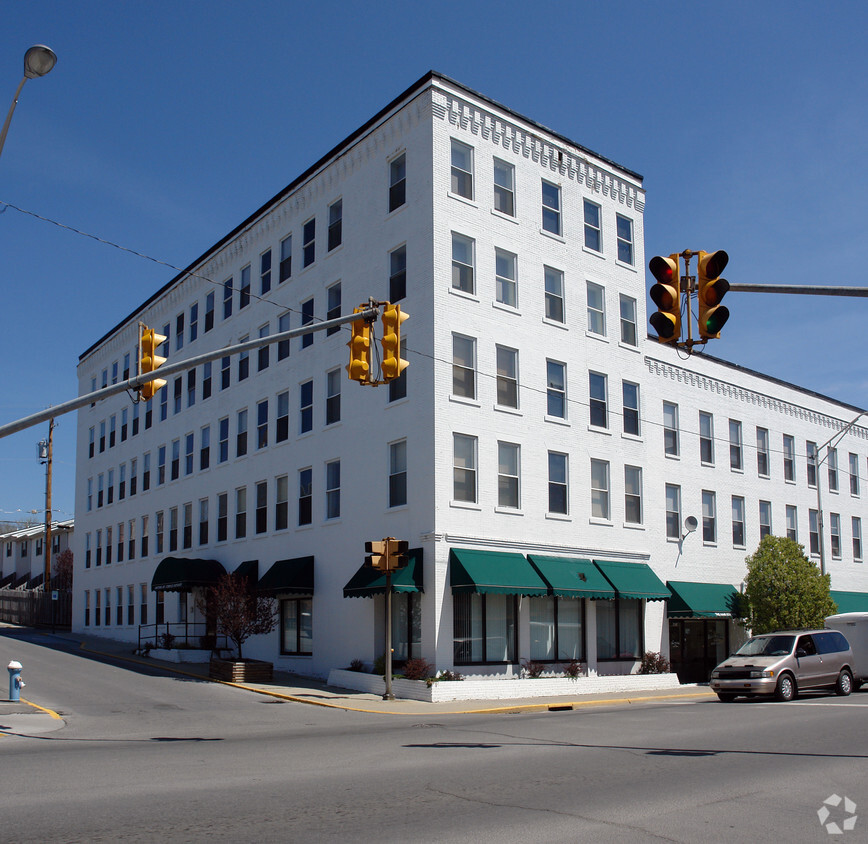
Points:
point(359, 367)
point(396, 552)
point(666, 294)
point(377, 556)
point(149, 361)
point(710, 289)
point(393, 365)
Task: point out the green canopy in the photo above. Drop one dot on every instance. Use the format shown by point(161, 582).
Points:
point(294, 575)
point(178, 574)
point(249, 570)
point(702, 600)
point(570, 578)
point(368, 581)
point(493, 573)
point(633, 580)
point(850, 601)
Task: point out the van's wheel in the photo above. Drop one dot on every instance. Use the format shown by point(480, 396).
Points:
point(844, 683)
point(786, 689)
point(726, 697)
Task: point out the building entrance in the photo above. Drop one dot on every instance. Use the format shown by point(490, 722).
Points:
point(696, 646)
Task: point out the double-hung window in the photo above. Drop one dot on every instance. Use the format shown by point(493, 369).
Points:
point(306, 319)
point(765, 519)
point(508, 475)
point(244, 290)
point(671, 446)
point(505, 278)
point(335, 230)
point(264, 272)
point(558, 483)
point(624, 227)
point(811, 452)
point(596, 309)
point(832, 463)
point(762, 452)
point(285, 268)
point(633, 495)
point(814, 531)
point(554, 295)
point(397, 182)
point(835, 533)
point(398, 473)
point(673, 511)
point(854, 474)
point(308, 242)
point(462, 264)
point(305, 496)
point(462, 170)
point(600, 506)
point(598, 398)
point(504, 187)
point(738, 521)
point(629, 335)
point(333, 489)
point(709, 517)
point(792, 523)
point(735, 461)
point(551, 208)
point(593, 231)
point(556, 389)
point(857, 538)
point(706, 438)
point(507, 377)
point(630, 394)
point(398, 274)
point(464, 468)
point(789, 458)
point(463, 366)
point(305, 407)
point(333, 397)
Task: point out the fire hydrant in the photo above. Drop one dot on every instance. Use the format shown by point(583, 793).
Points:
point(16, 684)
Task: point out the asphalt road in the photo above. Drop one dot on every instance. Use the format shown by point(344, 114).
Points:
point(151, 757)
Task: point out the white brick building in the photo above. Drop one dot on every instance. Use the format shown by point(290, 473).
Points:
point(531, 422)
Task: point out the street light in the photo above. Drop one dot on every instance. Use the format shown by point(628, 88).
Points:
point(38, 61)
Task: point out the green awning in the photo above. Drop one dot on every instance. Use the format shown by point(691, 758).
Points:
point(177, 574)
point(633, 580)
point(493, 573)
point(571, 578)
point(249, 570)
point(850, 601)
point(368, 581)
point(702, 600)
point(294, 575)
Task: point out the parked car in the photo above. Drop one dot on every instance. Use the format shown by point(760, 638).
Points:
point(854, 626)
point(783, 664)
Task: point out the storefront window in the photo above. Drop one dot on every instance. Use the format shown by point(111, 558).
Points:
point(619, 629)
point(296, 626)
point(556, 629)
point(484, 628)
point(406, 626)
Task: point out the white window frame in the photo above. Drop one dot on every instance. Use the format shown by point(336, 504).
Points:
point(596, 300)
point(461, 176)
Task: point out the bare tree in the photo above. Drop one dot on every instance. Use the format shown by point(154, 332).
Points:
point(62, 578)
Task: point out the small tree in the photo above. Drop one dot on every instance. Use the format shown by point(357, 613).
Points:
point(783, 589)
point(63, 570)
point(239, 612)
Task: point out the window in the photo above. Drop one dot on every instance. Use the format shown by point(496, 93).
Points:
point(505, 282)
point(333, 397)
point(122, 481)
point(406, 625)
point(670, 429)
point(146, 471)
point(333, 307)
point(462, 264)
point(397, 182)
point(160, 607)
point(307, 319)
point(596, 309)
point(709, 517)
point(124, 423)
point(206, 380)
point(762, 452)
point(336, 214)
point(619, 629)
point(188, 526)
point(263, 352)
point(706, 438)
point(305, 496)
point(99, 547)
point(282, 430)
point(265, 272)
point(305, 407)
point(463, 366)
point(504, 187)
point(593, 232)
point(225, 372)
point(204, 448)
point(398, 386)
point(835, 533)
point(244, 290)
point(120, 543)
point(261, 515)
point(285, 270)
point(178, 393)
point(551, 208)
point(241, 433)
point(598, 397)
point(735, 445)
point(333, 489)
point(628, 321)
point(558, 483)
point(243, 362)
point(832, 463)
point(554, 285)
point(765, 519)
point(308, 242)
point(241, 512)
point(857, 538)
point(462, 170)
point(600, 489)
point(179, 332)
point(281, 502)
point(789, 458)
point(227, 298)
point(625, 239)
point(223, 444)
point(203, 521)
point(792, 523)
point(96, 609)
point(188, 454)
point(556, 390)
point(507, 377)
point(100, 489)
point(633, 495)
point(673, 511)
point(398, 474)
point(113, 428)
point(262, 424)
point(398, 274)
point(108, 607)
point(556, 626)
point(173, 529)
point(811, 453)
point(854, 474)
point(814, 532)
point(222, 516)
point(508, 475)
point(464, 468)
point(87, 608)
point(484, 628)
point(176, 460)
point(296, 626)
point(209, 311)
point(283, 345)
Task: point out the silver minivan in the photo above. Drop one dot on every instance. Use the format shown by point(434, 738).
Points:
point(782, 664)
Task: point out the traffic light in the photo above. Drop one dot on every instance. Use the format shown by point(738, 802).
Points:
point(397, 553)
point(711, 288)
point(149, 360)
point(392, 365)
point(359, 367)
point(666, 294)
point(377, 554)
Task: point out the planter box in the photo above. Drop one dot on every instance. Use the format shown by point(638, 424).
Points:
point(180, 654)
point(502, 689)
point(241, 671)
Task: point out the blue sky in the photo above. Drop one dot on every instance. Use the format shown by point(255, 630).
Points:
point(165, 124)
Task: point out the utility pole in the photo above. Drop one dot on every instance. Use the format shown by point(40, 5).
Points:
point(46, 454)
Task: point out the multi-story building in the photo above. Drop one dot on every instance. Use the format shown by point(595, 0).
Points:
point(22, 561)
point(540, 454)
